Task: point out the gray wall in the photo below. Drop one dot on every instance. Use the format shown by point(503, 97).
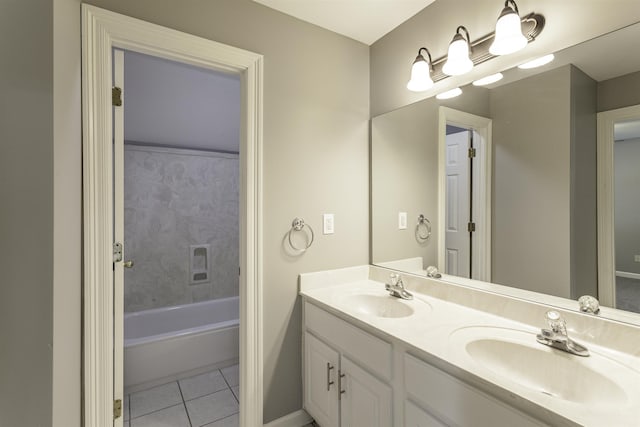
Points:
point(40, 217)
point(584, 215)
point(619, 92)
point(26, 213)
point(627, 204)
point(173, 199)
point(404, 165)
point(316, 111)
point(531, 183)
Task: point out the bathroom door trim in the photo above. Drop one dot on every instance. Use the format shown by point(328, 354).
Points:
point(481, 255)
point(102, 31)
point(605, 195)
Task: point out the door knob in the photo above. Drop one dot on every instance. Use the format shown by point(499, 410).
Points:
point(128, 264)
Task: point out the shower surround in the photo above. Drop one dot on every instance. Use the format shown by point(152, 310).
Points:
point(175, 198)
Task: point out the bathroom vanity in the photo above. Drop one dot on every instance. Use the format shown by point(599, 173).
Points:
point(455, 356)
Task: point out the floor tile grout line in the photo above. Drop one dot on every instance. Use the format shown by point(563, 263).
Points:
point(184, 405)
point(220, 419)
point(229, 385)
point(153, 412)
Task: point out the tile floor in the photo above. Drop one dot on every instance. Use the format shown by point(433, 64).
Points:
point(210, 399)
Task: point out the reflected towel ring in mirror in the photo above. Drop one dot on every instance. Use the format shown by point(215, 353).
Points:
point(423, 229)
point(298, 225)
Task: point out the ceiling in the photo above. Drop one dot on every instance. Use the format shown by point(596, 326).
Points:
point(362, 20)
point(172, 104)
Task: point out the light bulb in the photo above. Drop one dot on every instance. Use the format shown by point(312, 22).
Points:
point(508, 36)
point(458, 61)
point(420, 75)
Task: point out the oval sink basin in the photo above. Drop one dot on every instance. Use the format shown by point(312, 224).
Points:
point(377, 305)
point(516, 357)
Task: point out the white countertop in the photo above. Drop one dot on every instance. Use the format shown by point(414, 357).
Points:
point(434, 332)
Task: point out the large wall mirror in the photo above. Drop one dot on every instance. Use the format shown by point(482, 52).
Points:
point(501, 183)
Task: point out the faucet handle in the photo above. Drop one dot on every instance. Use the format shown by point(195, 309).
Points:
point(556, 322)
point(589, 304)
point(394, 278)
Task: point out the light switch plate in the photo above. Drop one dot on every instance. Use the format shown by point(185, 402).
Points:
point(636, 258)
point(327, 224)
point(402, 220)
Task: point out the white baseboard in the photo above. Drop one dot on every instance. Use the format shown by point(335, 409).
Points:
point(628, 275)
point(295, 419)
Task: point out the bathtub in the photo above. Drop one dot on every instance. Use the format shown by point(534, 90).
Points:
point(172, 342)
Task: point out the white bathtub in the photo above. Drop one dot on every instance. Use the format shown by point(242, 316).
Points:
point(167, 343)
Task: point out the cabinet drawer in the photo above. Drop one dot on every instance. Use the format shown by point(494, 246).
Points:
point(456, 402)
point(369, 351)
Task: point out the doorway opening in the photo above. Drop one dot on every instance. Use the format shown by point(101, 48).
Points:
point(618, 225)
point(460, 189)
point(104, 260)
point(464, 242)
point(180, 143)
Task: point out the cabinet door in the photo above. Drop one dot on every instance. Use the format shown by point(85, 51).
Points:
point(365, 400)
point(321, 381)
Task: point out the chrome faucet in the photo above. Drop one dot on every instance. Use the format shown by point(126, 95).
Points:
point(557, 336)
point(396, 288)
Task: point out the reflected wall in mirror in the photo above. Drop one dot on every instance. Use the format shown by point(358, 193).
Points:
point(542, 200)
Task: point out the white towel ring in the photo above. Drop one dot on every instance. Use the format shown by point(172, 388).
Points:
point(423, 229)
point(298, 224)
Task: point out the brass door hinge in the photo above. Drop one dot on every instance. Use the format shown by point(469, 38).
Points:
point(116, 96)
point(117, 251)
point(471, 227)
point(117, 408)
point(472, 153)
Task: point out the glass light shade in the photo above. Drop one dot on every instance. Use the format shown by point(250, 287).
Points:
point(420, 76)
point(538, 62)
point(488, 80)
point(458, 61)
point(508, 37)
point(450, 94)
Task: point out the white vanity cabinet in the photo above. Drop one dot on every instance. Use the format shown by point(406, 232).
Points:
point(351, 378)
point(338, 391)
point(446, 401)
point(321, 365)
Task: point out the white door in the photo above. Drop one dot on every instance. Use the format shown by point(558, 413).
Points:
point(321, 381)
point(457, 197)
point(118, 236)
point(365, 400)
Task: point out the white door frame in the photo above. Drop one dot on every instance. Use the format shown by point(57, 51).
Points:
point(482, 212)
point(605, 193)
point(102, 31)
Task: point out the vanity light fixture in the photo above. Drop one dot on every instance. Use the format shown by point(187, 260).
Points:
point(421, 73)
point(450, 94)
point(464, 54)
point(538, 62)
point(458, 61)
point(488, 80)
point(508, 36)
